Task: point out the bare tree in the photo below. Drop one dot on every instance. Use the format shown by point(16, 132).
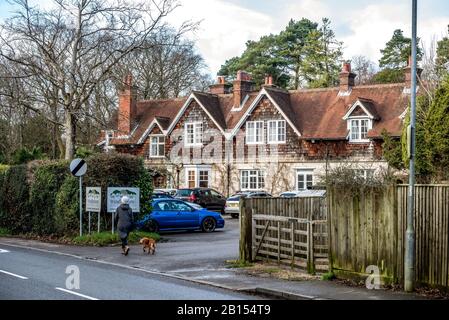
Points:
point(364, 68)
point(67, 52)
point(170, 68)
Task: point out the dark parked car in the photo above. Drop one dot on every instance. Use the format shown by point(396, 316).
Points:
point(160, 195)
point(205, 197)
point(172, 214)
point(233, 202)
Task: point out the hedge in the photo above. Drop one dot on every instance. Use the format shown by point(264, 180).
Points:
point(42, 197)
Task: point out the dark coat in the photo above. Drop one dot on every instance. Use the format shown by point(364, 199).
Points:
point(124, 220)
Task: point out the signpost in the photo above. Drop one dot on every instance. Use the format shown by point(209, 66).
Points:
point(93, 202)
point(115, 194)
point(78, 168)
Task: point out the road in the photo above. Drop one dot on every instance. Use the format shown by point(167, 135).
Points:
point(29, 274)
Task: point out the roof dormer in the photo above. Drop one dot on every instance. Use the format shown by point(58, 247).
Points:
point(360, 119)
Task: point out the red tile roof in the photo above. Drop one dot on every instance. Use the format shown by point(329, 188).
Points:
point(316, 113)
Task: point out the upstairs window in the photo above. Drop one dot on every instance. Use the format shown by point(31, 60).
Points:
point(276, 131)
point(193, 134)
point(254, 132)
point(359, 130)
point(157, 146)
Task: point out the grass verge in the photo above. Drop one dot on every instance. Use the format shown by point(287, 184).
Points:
point(4, 232)
point(328, 276)
point(232, 264)
point(106, 238)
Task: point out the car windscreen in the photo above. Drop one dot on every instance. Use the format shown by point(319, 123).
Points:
point(236, 197)
point(183, 193)
point(288, 195)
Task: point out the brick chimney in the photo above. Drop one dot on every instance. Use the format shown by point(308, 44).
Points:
point(408, 73)
point(242, 86)
point(347, 78)
point(127, 106)
point(221, 87)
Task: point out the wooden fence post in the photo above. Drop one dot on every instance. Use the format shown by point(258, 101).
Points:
point(245, 244)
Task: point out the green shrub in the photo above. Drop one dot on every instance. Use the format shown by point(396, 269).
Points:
point(66, 212)
point(15, 211)
point(42, 197)
point(48, 179)
point(25, 155)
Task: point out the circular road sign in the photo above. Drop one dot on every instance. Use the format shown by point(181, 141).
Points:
point(78, 167)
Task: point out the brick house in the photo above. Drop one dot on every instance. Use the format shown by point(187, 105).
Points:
point(237, 138)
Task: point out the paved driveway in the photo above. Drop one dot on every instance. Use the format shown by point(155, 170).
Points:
point(197, 250)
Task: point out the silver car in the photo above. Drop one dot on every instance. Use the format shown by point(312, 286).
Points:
point(232, 205)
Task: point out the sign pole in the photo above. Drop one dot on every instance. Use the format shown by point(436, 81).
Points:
point(113, 218)
point(98, 221)
point(89, 222)
point(81, 206)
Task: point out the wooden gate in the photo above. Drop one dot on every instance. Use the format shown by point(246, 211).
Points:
point(290, 231)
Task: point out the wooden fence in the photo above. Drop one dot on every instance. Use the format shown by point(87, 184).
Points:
point(368, 228)
point(290, 231)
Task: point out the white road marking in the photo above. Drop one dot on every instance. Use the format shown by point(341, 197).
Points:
point(3, 251)
point(14, 275)
point(76, 294)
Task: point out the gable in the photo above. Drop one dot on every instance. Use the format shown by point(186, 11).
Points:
point(358, 112)
point(209, 111)
point(195, 113)
point(285, 111)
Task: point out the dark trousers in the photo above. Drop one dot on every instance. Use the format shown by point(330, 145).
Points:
point(124, 241)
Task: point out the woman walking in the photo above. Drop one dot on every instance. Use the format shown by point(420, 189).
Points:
point(124, 221)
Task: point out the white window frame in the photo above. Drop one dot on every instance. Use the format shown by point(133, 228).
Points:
point(197, 170)
point(365, 173)
point(158, 136)
point(369, 126)
point(197, 134)
point(258, 175)
point(256, 124)
point(304, 173)
point(276, 133)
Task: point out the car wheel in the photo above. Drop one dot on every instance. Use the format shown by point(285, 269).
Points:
point(152, 226)
point(208, 224)
point(235, 215)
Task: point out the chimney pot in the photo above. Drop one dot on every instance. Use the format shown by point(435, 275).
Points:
point(221, 87)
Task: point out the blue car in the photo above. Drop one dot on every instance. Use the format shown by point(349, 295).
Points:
point(172, 214)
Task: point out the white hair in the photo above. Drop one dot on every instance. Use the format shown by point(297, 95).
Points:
point(124, 200)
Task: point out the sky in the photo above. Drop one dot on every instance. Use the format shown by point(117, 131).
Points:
point(364, 26)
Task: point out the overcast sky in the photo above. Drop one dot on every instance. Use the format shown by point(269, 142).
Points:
point(363, 25)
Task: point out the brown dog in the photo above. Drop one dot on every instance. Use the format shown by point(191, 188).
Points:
point(148, 243)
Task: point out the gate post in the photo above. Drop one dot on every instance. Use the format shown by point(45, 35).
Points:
point(245, 221)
